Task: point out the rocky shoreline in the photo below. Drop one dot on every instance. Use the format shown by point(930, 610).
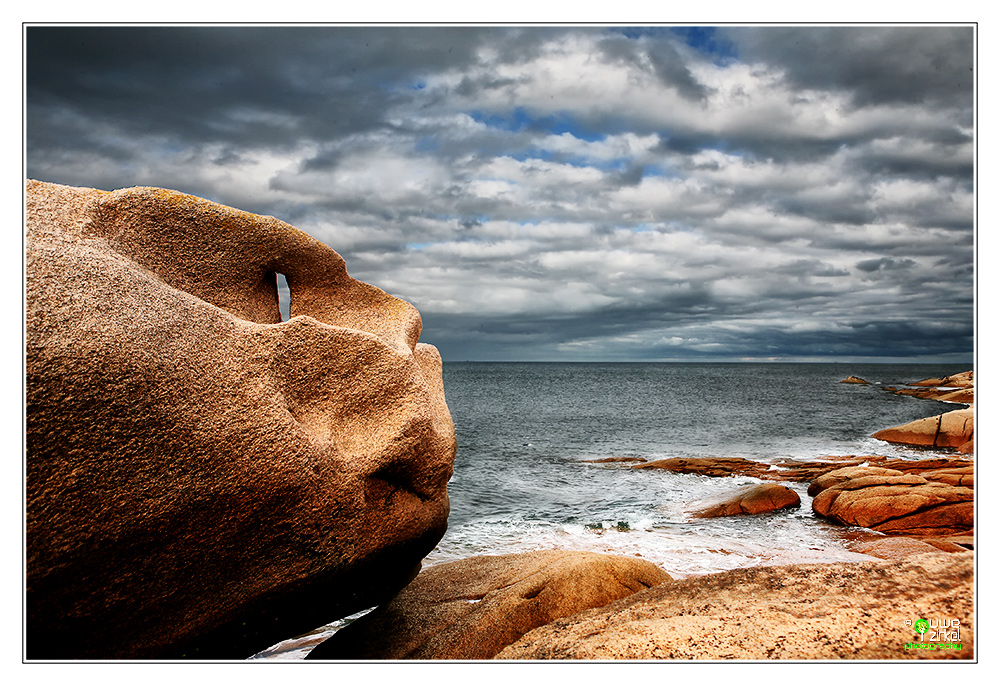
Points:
point(205, 479)
point(920, 524)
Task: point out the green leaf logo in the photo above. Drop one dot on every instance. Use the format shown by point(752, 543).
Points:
point(921, 626)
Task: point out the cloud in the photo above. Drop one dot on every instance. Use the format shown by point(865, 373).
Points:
point(565, 192)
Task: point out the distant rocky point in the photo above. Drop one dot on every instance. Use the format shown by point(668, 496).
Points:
point(953, 429)
point(203, 479)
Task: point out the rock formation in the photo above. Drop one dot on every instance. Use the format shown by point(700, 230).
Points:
point(949, 430)
point(754, 499)
point(964, 396)
point(904, 504)
point(796, 471)
point(960, 380)
point(473, 608)
point(840, 611)
point(843, 474)
point(855, 379)
point(203, 479)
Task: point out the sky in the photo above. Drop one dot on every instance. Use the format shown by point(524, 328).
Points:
point(577, 193)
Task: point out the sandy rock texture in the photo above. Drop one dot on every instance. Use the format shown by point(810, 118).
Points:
point(203, 479)
point(895, 547)
point(750, 500)
point(473, 608)
point(840, 611)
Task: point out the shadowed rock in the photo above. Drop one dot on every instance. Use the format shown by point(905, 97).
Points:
point(473, 608)
point(203, 479)
point(840, 611)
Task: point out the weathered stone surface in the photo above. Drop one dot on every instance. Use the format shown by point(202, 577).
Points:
point(614, 460)
point(948, 430)
point(956, 476)
point(951, 544)
point(754, 499)
point(473, 608)
point(895, 547)
point(841, 611)
point(855, 379)
point(846, 474)
point(900, 505)
point(204, 480)
point(921, 466)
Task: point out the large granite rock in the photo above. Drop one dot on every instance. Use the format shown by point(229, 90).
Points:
point(473, 608)
point(203, 479)
point(905, 504)
point(838, 476)
point(840, 611)
point(749, 500)
point(948, 430)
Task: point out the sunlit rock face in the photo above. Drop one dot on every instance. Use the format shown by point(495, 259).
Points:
point(203, 479)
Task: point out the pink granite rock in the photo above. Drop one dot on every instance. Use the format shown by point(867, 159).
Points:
point(203, 479)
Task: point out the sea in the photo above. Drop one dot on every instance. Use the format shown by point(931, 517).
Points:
point(525, 476)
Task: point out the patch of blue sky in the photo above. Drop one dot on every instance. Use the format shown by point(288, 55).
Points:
point(520, 119)
point(645, 227)
point(636, 32)
point(445, 216)
point(705, 39)
point(426, 144)
point(546, 155)
point(659, 170)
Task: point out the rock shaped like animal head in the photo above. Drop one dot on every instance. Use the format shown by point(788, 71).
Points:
point(204, 479)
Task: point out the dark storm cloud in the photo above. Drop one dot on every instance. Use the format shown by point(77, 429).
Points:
point(564, 192)
point(661, 57)
point(875, 65)
point(202, 82)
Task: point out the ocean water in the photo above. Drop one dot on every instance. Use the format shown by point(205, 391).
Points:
point(522, 480)
point(526, 431)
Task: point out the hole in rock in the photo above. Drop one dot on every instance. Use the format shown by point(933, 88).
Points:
point(284, 297)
